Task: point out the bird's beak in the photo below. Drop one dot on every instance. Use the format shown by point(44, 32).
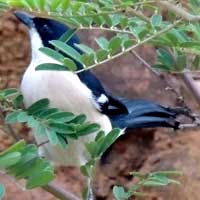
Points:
point(25, 18)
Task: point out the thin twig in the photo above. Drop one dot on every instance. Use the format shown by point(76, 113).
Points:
point(189, 81)
point(101, 28)
point(184, 126)
point(59, 192)
point(145, 62)
point(138, 14)
point(43, 143)
point(179, 11)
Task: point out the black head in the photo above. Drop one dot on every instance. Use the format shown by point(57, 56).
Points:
point(48, 29)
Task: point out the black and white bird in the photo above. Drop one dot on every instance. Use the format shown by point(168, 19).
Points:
point(81, 93)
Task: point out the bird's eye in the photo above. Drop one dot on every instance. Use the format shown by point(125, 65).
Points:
point(45, 29)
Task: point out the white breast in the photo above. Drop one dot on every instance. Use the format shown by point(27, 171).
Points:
point(66, 92)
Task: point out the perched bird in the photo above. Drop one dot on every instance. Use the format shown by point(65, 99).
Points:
point(81, 93)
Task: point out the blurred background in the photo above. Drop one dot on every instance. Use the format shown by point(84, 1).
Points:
point(139, 150)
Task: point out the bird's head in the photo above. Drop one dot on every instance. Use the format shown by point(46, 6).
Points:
point(48, 29)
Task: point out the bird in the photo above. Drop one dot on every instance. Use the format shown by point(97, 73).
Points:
point(81, 93)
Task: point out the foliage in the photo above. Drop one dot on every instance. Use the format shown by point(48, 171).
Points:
point(22, 161)
point(153, 179)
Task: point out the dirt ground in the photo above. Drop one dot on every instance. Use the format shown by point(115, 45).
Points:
point(141, 150)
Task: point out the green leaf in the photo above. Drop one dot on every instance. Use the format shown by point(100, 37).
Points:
point(123, 22)
point(54, 4)
point(52, 136)
point(102, 42)
point(9, 159)
point(166, 58)
point(22, 117)
point(153, 183)
point(67, 35)
point(88, 59)
point(181, 62)
point(62, 142)
point(115, 44)
point(32, 168)
point(40, 130)
point(119, 193)
point(68, 50)
point(156, 20)
point(84, 21)
point(18, 101)
point(86, 129)
point(109, 139)
point(47, 112)
point(51, 67)
point(85, 48)
point(41, 179)
point(99, 20)
point(52, 53)
point(70, 21)
point(2, 191)
point(79, 119)
point(108, 20)
point(38, 106)
point(70, 64)
point(12, 117)
point(86, 170)
point(92, 149)
point(65, 4)
point(28, 154)
point(61, 117)
point(190, 44)
point(166, 173)
point(32, 4)
point(101, 55)
point(63, 128)
point(32, 122)
point(10, 92)
point(196, 62)
point(18, 146)
point(99, 135)
point(128, 43)
point(116, 19)
point(41, 4)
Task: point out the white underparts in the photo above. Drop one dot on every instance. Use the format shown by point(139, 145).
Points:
point(66, 92)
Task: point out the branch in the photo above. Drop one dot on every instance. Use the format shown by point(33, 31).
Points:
point(179, 11)
point(157, 34)
point(59, 192)
point(189, 81)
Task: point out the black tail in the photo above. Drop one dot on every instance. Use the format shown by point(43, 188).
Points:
point(145, 114)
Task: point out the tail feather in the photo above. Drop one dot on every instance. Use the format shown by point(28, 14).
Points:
point(145, 114)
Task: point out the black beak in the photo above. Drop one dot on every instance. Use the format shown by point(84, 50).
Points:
point(25, 18)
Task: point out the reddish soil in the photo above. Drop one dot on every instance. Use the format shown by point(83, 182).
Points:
point(141, 150)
